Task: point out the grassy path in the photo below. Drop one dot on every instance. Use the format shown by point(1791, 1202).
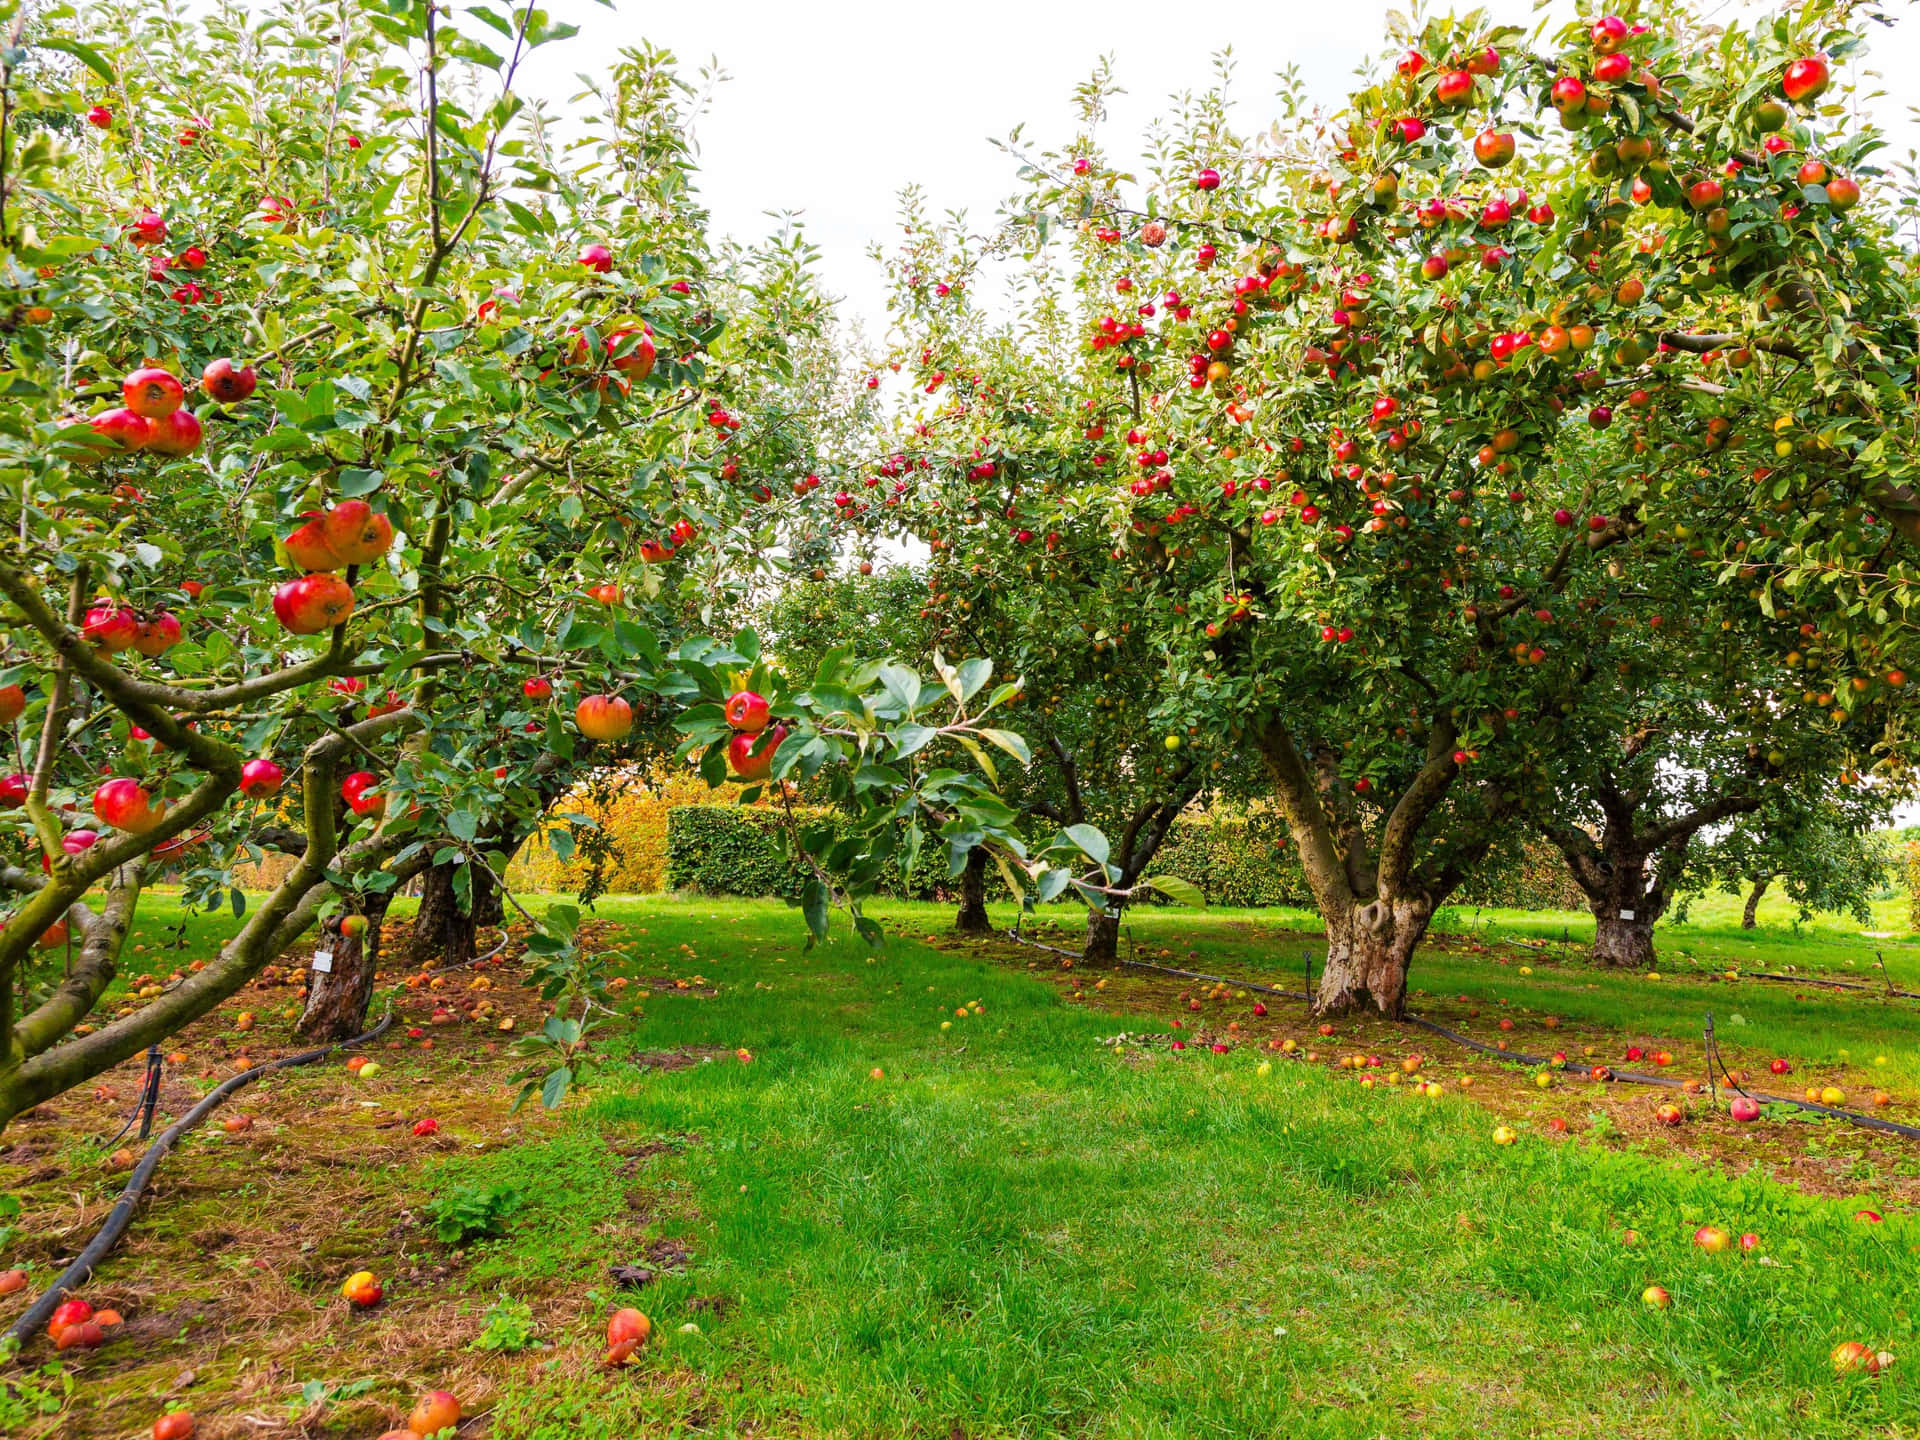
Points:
point(1014, 1230)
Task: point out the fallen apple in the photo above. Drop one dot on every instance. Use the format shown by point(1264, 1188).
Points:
point(174, 1425)
point(1744, 1109)
point(436, 1411)
point(627, 1331)
point(362, 1289)
point(1655, 1297)
point(1712, 1239)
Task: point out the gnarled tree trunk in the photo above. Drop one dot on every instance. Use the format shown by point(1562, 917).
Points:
point(1749, 915)
point(337, 997)
point(1369, 951)
point(972, 917)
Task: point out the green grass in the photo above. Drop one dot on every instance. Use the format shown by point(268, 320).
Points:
point(1018, 1232)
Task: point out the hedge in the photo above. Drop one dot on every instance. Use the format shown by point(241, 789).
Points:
point(731, 850)
point(1238, 861)
point(632, 809)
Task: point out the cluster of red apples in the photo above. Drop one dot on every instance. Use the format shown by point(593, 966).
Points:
point(153, 416)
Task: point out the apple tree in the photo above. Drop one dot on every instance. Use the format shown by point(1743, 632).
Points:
point(377, 460)
point(1407, 397)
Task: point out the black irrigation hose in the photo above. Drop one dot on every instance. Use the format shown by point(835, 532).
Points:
point(121, 1216)
point(1630, 1077)
point(1832, 984)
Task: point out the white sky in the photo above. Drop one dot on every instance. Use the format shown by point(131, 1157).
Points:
point(833, 105)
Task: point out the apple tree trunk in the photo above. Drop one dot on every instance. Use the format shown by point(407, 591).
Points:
point(1370, 948)
point(337, 998)
point(1623, 914)
point(443, 933)
point(972, 917)
point(1103, 938)
point(1749, 915)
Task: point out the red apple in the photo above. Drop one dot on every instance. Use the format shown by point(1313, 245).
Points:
point(1493, 148)
point(537, 688)
point(261, 778)
point(147, 229)
point(635, 360)
point(1669, 1114)
point(111, 627)
point(1843, 193)
point(627, 1331)
point(1569, 93)
point(1207, 179)
point(1609, 33)
point(174, 1425)
point(603, 717)
point(1744, 1108)
point(307, 547)
point(356, 532)
point(152, 392)
point(1455, 87)
point(176, 433)
point(157, 634)
point(126, 805)
point(313, 603)
point(1712, 1239)
point(226, 383)
point(597, 258)
point(1850, 1357)
point(750, 756)
point(747, 712)
point(13, 700)
point(1611, 69)
point(1705, 194)
point(122, 429)
point(426, 1127)
point(100, 117)
point(1804, 80)
point(436, 1411)
point(1655, 1297)
point(1749, 1243)
point(361, 791)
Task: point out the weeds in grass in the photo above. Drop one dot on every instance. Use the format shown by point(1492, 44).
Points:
point(472, 1212)
point(507, 1326)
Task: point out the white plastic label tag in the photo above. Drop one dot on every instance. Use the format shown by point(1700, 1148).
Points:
point(1626, 914)
point(323, 961)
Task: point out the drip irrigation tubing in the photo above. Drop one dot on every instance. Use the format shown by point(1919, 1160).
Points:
point(1832, 984)
point(121, 1216)
point(1629, 1077)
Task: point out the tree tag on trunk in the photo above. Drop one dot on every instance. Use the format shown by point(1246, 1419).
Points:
point(1626, 914)
point(323, 961)
point(1112, 913)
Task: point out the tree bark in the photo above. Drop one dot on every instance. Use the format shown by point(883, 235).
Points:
point(972, 917)
point(1103, 939)
point(1369, 951)
point(1748, 916)
point(442, 933)
point(337, 998)
point(1623, 913)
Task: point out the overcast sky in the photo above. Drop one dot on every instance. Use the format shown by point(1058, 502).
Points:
point(833, 105)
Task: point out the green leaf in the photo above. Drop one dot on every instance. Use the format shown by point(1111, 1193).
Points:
point(1181, 892)
point(973, 674)
point(814, 904)
point(85, 54)
point(556, 1087)
point(1090, 841)
point(910, 739)
point(1013, 744)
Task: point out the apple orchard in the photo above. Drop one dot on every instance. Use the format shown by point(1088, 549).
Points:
point(1524, 450)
